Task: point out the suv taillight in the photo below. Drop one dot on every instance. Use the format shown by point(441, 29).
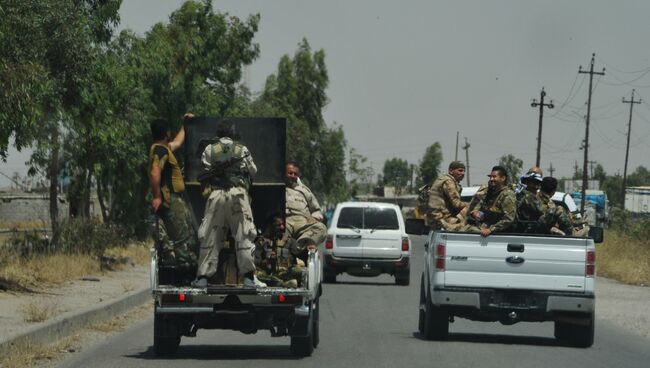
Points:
point(405, 244)
point(440, 257)
point(590, 266)
point(329, 243)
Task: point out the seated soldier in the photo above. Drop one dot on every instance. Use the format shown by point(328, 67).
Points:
point(534, 216)
point(496, 211)
point(276, 266)
point(444, 199)
point(546, 192)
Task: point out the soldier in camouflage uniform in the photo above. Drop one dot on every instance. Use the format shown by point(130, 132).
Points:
point(303, 214)
point(444, 199)
point(497, 211)
point(228, 168)
point(564, 223)
point(176, 231)
point(531, 216)
point(276, 265)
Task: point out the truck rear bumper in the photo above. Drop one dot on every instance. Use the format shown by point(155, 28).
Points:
point(366, 266)
point(490, 299)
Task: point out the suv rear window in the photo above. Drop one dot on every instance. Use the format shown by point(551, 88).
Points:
point(367, 218)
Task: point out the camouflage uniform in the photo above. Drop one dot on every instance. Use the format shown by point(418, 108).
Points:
point(228, 207)
point(302, 205)
point(176, 231)
point(499, 211)
point(532, 218)
point(445, 204)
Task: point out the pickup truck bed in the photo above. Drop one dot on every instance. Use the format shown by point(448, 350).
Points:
point(509, 278)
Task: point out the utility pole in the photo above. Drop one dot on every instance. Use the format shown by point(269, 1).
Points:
point(586, 144)
point(456, 157)
point(591, 168)
point(466, 148)
point(551, 169)
point(541, 105)
point(627, 148)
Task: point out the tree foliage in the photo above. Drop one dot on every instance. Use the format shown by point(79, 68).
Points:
point(429, 168)
point(360, 173)
point(82, 97)
point(297, 92)
point(513, 165)
point(396, 172)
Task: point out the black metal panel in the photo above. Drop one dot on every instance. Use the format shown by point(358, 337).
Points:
point(266, 140)
point(264, 137)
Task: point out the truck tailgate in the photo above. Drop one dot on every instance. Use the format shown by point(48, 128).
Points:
point(515, 262)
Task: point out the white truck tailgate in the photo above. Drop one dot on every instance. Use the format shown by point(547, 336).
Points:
point(514, 262)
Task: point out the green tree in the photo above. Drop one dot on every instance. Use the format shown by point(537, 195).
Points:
point(297, 91)
point(640, 177)
point(513, 165)
point(47, 49)
point(360, 173)
point(396, 172)
point(429, 168)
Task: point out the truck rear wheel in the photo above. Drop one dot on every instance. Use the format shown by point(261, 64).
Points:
point(316, 327)
point(329, 276)
point(165, 336)
point(436, 321)
point(403, 278)
point(302, 346)
point(421, 311)
point(579, 335)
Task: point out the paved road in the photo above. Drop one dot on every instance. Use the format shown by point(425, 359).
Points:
point(370, 322)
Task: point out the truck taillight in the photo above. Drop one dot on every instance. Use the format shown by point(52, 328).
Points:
point(329, 243)
point(440, 257)
point(405, 244)
point(590, 266)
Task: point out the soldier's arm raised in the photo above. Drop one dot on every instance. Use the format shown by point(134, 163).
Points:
point(248, 161)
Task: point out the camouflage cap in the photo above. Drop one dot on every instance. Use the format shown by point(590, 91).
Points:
point(456, 165)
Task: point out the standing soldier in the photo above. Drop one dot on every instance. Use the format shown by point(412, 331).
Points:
point(497, 211)
point(228, 169)
point(303, 214)
point(444, 199)
point(167, 186)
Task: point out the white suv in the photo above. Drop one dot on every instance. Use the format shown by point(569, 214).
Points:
point(367, 239)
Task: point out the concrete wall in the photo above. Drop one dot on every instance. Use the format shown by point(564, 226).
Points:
point(28, 207)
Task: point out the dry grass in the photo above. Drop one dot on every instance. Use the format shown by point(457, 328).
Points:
point(28, 354)
point(24, 225)
point(624, 259)
point(39, 310)
point(19, 274)
point(127, 286)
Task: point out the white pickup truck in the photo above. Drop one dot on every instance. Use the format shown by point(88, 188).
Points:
point(509, 278)
point(181, 310)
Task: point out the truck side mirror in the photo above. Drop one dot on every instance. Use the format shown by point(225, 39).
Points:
point(416, 227)
point(597, 234)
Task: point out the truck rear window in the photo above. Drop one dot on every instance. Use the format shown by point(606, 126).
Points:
point(368, 218)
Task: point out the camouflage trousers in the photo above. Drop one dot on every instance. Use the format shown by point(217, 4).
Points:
point(449, 223)
point(289, 277)
point(227, 210)
point(305, 233)
point(553, 220)
point(177, 235)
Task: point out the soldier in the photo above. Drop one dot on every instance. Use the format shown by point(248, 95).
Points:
point(228, 170)
point(564, 223)
point(535, 216)
point(496, 212)
point(303, 214)
point(444, 199)
point(276, 265)
point(177, 232)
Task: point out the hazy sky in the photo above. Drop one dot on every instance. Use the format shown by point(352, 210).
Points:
point(405, 74)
